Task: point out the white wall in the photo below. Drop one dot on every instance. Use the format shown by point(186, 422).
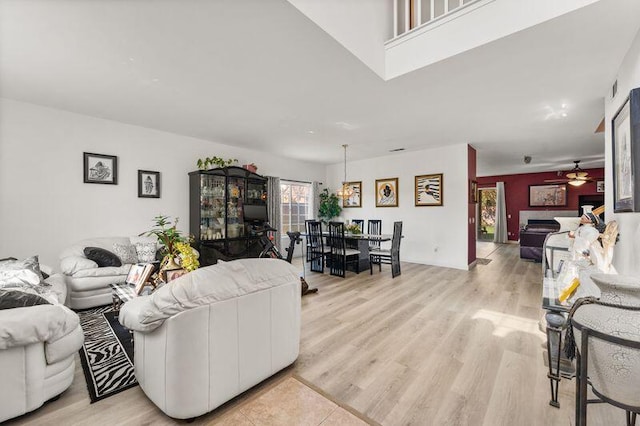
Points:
point(627, 251)
point(44, 204)
point(477, 24)
point(361, 26)
point(432, 235)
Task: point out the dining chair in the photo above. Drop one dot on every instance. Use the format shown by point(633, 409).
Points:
point(316, 248)
point(388, 257)
point(360, 223)
point(340, 255)
point(308, 245)
point(374, 228)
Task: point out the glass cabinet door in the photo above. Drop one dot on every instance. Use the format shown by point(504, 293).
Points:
point(212, 214)
point(256, 193)
point(235, 203)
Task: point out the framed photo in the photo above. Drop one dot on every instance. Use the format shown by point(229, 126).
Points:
point(139, 275)
point(387, 192)
point(473, 192)
point(552, 195)
point(172, 274)
point(428, 190)
point(148, 184)
point(626, 155)
point(355, 200)
point(600, 186)
point(100, 168)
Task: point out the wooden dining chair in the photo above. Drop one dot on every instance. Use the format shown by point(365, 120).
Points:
point(340, 255)
point(315, 245)
point(374, 228)
point(388, 257)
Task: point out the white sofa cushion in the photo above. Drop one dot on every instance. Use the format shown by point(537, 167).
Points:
point(106, 243)
point(205, 286)
point(106, 271)
point(72, 264)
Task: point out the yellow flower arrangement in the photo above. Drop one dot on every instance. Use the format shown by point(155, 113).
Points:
point(188, 258)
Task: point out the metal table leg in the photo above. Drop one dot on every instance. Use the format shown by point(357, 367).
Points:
point(555, 322)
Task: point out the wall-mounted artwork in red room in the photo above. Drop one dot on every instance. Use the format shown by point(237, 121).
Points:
point(517, 193)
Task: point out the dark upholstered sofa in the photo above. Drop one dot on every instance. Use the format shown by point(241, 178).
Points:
point(532, 237)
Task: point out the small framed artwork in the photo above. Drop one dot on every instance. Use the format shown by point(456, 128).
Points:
point(626, 155)
point(600, 186)
point(355, 199)
point(139, 275)
point(100, 168)
point(428, 190)
point(172, 274)
point(473, 192)
point(148, 184)
point(553, 195)
point(387, 192)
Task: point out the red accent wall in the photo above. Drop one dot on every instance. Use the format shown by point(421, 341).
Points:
point(517, 193)
point(471, 172)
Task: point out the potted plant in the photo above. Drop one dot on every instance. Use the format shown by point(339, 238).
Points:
point(215, 161)
point(173, 244)
point(329, 206)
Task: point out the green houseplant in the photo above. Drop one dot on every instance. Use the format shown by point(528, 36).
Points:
point(173, 243)
point(215, 161)
point(329, 206)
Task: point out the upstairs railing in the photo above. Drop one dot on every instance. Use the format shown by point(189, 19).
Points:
point(411, 14)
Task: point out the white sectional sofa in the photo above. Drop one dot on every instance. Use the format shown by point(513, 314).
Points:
point(88, 284)
point(37, 349)
point(215, 332)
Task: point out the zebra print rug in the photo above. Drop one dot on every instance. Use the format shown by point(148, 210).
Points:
point(107, 353)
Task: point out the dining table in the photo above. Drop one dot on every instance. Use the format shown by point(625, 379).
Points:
point(361, 243)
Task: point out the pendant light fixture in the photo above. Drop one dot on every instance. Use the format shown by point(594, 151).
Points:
point(346, 191)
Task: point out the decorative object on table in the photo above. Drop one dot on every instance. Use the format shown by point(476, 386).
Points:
point(251, 167)
point(138, 275)
point(473, 192)
point(353, 228)
point(329, 206)
point(387, 192)
point(215, 161)
point(429, 190)
point(600, 186)
point(626, 155)
point(548, 195)
point(148, 184)
point(107, 353)
point(172, 274)
point(100, 168)
point(188, 256)
point(169, 237)
point(355, 197)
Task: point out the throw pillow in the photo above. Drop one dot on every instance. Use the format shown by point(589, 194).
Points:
point(20, 271)
point(10, 299)
point(146, 252)
point(126, 253)
point(102, 257)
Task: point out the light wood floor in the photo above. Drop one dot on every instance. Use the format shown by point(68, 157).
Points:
point(435, 346)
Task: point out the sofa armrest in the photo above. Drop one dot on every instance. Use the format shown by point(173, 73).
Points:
point(65, 346)
point(72, 264)
point(42, 323)
point(131, 313)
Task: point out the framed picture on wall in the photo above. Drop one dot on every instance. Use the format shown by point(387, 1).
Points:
point(600, 186)
point(626, 155)
point(355, 199)
point(387, 192)
point(148, 184)
point(100, 168)
point(428, 190)
point(552, 195)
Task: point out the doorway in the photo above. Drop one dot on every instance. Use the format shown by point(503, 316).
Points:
point(487, 213)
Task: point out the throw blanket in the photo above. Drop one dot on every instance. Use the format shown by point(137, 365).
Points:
point(205, 286)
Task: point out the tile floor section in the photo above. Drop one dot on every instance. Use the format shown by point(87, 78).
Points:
point(290, 402)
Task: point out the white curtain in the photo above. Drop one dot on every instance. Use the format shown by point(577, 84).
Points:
point(315, 196)
point(500, 235)
point(273, 207)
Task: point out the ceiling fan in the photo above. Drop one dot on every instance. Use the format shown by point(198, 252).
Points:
point(575, 177)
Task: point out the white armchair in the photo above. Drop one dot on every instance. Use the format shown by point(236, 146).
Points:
point(214, 333)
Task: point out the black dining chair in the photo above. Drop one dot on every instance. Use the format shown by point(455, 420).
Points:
point(360, 223)
point(340, 254)
point(315, 245)
point(388, 257)
point(374, 228)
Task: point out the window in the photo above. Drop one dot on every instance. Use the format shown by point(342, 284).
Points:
point(295, 198)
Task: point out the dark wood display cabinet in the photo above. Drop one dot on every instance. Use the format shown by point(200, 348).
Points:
point(219, 202)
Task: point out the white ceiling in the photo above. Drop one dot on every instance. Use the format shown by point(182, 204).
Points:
point(259, 74)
